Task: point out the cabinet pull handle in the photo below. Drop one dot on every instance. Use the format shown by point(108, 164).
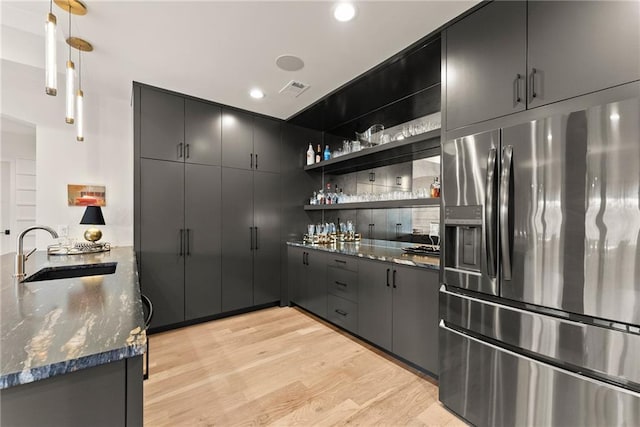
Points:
point(394, 278)
point(188, 242)
point(181, 242)
point(340, 261)
point(388, 270)
point(304, 258)
point(251, 238)
point(180, 150)
point(251, 161)
point(341, 312)
point(256, 245)
point(533, 83)
point(256, 161)
point(518, 98)
point(341, 284)
point(372, 177)
point(186, 150)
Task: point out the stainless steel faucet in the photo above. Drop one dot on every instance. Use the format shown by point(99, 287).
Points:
point(20, 256)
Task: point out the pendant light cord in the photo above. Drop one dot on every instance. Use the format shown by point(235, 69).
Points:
point(51, 7)
point(80, 69)
point(69, 31)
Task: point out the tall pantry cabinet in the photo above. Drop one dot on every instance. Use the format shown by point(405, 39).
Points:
point(189, 207)
point(250, 210)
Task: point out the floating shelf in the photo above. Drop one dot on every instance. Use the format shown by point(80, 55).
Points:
point(413, 148)
point(384, 204)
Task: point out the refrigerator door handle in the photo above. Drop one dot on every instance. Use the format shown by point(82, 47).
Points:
point(505, 194)
point(490, 219)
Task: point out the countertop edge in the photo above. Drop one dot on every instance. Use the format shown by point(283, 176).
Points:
point(395, 260)
point(60, 368)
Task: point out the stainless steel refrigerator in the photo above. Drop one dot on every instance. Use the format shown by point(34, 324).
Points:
point(540, 300)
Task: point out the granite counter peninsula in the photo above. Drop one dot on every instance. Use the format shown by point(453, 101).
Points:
point(71, 349)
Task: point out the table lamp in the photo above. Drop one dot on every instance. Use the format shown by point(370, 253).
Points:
point(92, 216)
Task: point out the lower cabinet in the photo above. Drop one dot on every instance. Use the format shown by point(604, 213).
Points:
point(398, 310)
point(392, 306)
point(307, 279)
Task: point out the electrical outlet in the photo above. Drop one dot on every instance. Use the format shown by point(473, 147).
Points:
point(63, 230)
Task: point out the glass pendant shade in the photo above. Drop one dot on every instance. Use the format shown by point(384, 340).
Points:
point(80, 116)
point(71, 77)
point(51, 76)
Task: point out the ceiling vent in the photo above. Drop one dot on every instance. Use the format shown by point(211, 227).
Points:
point(294, 88)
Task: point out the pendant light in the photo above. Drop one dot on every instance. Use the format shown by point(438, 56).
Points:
point(82, 46)
point(80, 101)
point(70, 87)
point(51, 75)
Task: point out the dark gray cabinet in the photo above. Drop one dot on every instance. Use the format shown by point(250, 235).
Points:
point(161, 239)
point(266, 254)
point(175, 129)
point(512, 55)
point(307, 279)
point(202, 133)
point(581, 47)
point(266, 144)
point(202, 246)
point(161, 125)
point(250, 142)
point(486, 64)
point(375, 302)
point(237, 239)
point(372, 223)
point(415, 316)
point(250, 238)
point(180, 240)
point(398, 310)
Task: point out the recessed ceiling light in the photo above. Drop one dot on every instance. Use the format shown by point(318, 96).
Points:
point(256, 93)
point(344, 12)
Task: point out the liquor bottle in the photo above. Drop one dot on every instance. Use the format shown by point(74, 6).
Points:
point(335, 197)
point(310, 155)
point(327, 153)
point(318, 154)
point(329, 196)
point(435, 187)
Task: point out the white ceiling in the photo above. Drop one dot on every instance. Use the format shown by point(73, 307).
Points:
point(218, 50)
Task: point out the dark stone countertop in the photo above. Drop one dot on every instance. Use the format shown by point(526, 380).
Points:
point(380, 250)
point(53, 327)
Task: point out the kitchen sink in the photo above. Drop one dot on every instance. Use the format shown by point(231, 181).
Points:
point(70, 271)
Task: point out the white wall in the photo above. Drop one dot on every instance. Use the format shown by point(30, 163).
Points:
point(104, 158)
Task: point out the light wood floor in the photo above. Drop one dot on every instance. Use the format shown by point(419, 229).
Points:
point(282, 367)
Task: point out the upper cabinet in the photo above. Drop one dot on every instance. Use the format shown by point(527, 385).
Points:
point(512, 55)
point(266, 144)
point(202, 132)
point(250, 142)
point(486, 64)
point(178, 129)
point(161, 125)
point(577, 47)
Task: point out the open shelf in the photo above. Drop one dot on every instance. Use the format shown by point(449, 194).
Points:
point(409, 203)
point(413, 148)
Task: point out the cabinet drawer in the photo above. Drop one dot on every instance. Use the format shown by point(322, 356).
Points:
point(345, 262)
point(343, 313)
point(342, 283)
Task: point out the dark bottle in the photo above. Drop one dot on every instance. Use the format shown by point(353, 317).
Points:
point(318, 154)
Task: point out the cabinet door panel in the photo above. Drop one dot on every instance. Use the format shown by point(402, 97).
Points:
point(316, 277)
point(380, 227)
point(203, 241)
point(374, 303)
point(415, 316)
point(237, 223)
point(296, 272)
point(203, 132)
point(266, 261)
point(161, 125)
point(161, 219)
point(266, 144)
point(581, 47)
point(485, 53)
point(237, 139)
point(364, 221)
